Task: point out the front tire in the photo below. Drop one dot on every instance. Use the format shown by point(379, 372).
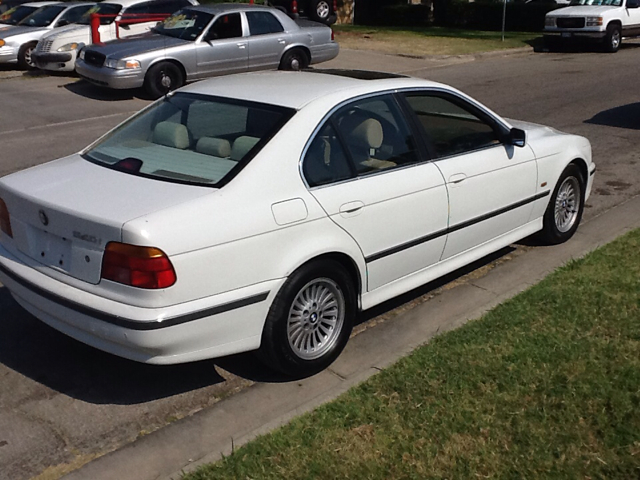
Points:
point(24, 56)
point(613, 38)
point(310, 320)
point(163, 78)
point(294, 59)
point(565, 208)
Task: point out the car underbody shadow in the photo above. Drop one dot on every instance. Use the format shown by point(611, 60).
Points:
point(625, 116)
point(65, 365)
point(94, 92)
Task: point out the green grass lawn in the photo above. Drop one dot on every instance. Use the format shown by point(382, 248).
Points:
point(546, 385)
point(428, 40)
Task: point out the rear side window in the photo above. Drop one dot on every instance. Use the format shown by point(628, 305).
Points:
point(325, 161)
point(189, 138)
point(451, 129)
point(262, 23)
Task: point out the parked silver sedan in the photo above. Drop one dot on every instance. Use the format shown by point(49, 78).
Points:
point(17, 42)
point(203, 41)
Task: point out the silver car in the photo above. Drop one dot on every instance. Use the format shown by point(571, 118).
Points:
point(207, 40)
point(17, 43)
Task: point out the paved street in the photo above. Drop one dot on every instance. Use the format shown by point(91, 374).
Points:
point(62, 403)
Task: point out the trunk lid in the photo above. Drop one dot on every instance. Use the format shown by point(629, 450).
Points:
point(63, 213)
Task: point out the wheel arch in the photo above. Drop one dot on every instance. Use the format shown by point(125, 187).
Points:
point(298, 46)
point(582, 165)
point(615, 21)
point(177, 63)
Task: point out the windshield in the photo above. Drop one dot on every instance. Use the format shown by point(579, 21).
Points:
point(185, 24)
point(15, 14)
point(110, 9)
point(192, 139)
point(596, 3)
point(43, 17)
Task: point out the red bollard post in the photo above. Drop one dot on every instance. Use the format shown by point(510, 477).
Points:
point(95, 24)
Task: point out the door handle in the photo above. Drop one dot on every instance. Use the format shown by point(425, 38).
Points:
point(282, 41)
point(457, 178)
point(242, 46)
point(351, 207)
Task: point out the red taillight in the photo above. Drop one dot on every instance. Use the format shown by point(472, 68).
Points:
point(142, 267)
point(294, 6)
point(5, 220)
point(333, 37)
point(335, 6)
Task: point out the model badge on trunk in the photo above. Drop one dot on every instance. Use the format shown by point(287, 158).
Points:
point(43, 218)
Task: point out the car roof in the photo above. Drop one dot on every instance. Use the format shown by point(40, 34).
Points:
point(38, 4)
point(297, 89)
point(215, 8)
point(125, 3)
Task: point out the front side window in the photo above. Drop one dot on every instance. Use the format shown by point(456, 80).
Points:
point(450, 128)
point(16, 14)
point(109, 10)
point(226, 26)
point(262, 23)
point(193, 139)
point(43, 17)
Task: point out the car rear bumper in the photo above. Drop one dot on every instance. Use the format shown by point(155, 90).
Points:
point(55, 61)
point(110, 77)
point(324, 53)
point(220, 325)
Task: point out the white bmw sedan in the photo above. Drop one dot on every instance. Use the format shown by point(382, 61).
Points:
point(264, 211)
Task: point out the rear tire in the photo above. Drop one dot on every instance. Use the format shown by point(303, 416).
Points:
point(613, 38)
point(24, 56)
point(294, 59)
point(310, 320)
point(565, 208)
point(163, 78)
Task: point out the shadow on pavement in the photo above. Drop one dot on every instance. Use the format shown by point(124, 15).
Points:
point(94, 92)
point(625, 116)
point(63, 364)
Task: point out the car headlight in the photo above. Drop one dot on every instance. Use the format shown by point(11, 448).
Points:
point(68, 47)
point(594, 21)
point(549, 21)
point(121, 64)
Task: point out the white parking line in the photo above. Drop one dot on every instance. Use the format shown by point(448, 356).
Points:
point(70, 122)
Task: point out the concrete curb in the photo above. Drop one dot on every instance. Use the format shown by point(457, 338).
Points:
point(217, 431)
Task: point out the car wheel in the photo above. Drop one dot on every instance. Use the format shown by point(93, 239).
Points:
point(320, 10)
point(564, 211)
point(613, 38)
point(24, 56)
point(294, 59)
point(310, 320)
point(162, 78)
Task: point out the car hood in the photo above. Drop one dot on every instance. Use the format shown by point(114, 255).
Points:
point(76, 33)
point(137, 45)
point(85, 203)
point(23, 30)
point(581, 11)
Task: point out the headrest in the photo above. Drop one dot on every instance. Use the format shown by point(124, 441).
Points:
point(368, 133)
point(241, 146)
point(171, 134)
point(218, 147)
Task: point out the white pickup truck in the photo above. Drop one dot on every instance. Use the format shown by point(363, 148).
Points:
point(606, 21)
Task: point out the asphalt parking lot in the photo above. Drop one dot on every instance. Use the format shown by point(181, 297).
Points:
point(62, 403)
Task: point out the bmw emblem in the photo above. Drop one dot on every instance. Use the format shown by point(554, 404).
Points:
point(43, 218)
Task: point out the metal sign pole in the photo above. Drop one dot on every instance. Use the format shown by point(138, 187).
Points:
point(504, 17)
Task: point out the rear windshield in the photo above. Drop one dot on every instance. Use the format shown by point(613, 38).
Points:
point(188, 138)
point(43, 17)
point(14, 15)
point(111, 10)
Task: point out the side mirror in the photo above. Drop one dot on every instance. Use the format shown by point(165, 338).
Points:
point(211, 36)
point(62, 23)
point(517, 137)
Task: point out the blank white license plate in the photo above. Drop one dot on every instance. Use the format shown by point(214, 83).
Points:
point(565, 35)
point(51, 250)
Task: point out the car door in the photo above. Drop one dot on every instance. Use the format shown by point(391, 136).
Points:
point(267, 40)
point(365, 169)
point(632, 22)
point(491, 184)
point(223, 48)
